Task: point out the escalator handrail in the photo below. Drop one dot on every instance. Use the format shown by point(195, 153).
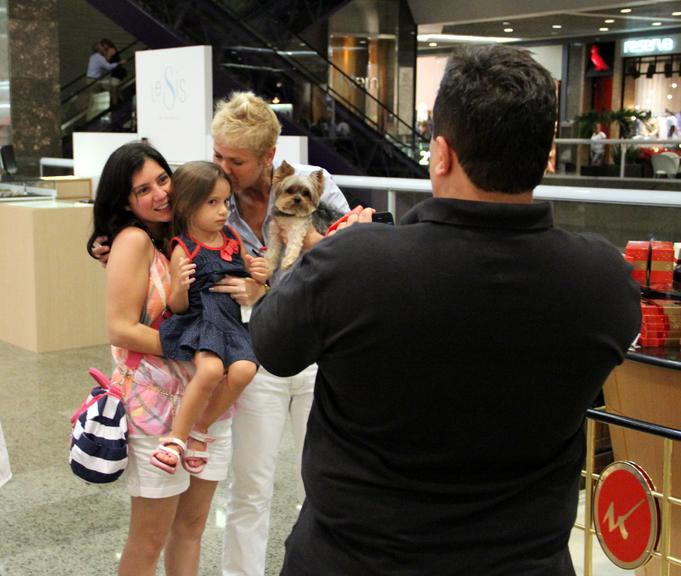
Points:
point(281, 54)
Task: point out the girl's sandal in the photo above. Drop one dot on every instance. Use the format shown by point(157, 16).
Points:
point(164, 447)
point(194, 461)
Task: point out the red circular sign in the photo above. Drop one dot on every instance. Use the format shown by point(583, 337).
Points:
point(626, 514)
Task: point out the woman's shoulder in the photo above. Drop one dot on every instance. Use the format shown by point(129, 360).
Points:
point(133, 234)
point(132, 240)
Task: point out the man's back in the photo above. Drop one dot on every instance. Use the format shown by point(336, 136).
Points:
point(456, 358)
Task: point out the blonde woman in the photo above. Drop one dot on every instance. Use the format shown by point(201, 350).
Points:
point(245, 132)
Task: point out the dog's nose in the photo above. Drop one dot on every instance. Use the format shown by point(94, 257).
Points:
point(296, 200)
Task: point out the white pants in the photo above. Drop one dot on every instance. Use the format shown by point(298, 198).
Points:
point(257, 429)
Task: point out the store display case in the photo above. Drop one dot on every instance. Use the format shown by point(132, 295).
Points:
point(52, 292)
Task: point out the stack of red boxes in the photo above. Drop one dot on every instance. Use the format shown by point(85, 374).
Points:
point(661, 264)
point(636, 253)
point(660, 323)
point(653, 263)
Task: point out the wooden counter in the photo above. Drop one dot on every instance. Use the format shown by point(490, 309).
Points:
point(647, 386)
point(51, 292)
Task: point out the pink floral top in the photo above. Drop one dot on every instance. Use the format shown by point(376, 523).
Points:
point(152, 385)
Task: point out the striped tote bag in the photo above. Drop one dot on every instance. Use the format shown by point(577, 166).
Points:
point(99, 436)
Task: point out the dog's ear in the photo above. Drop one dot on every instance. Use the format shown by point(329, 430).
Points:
point(284, 170)
point(317, 180)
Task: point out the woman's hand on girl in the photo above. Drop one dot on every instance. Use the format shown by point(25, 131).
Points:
point(245, 291)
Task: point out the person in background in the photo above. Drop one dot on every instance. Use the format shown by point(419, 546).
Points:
point(457, 357)
point(423, 129)
point(597, 150)
point(99, 68)
point(245, 132)
point(168, 513)
point(112, 56)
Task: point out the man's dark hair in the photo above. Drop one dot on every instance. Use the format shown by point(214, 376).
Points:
point(496, 108)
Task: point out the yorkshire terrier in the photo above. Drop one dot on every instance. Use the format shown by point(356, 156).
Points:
point(296, 206)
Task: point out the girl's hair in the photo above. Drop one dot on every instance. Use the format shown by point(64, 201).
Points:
point(193, 182)
point(246, 121)
point(111, 209)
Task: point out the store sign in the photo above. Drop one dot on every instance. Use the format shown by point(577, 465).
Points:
point(175, 100)
point(626, 515)
point(648, 46)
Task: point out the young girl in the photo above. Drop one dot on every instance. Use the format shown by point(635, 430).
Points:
point(206, 326)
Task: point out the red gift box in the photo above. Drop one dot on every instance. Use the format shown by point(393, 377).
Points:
point(637, 253)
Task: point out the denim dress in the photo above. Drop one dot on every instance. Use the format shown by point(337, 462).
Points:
point(213, 321)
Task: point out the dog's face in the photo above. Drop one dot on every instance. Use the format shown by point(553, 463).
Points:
point(297, 194)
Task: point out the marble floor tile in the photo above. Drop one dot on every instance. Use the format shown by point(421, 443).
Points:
point(52, 524)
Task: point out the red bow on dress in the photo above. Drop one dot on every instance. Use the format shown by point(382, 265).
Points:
point(230, 247)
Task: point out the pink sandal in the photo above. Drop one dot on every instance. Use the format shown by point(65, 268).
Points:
point(200, 455)
point(164, 447)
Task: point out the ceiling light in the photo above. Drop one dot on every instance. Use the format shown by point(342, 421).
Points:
point(676, 13)
point(506, 23)
point(432, 44)
point(508, 30)
point(609, 21)
point(656, 23)
point(556, 26)
point(675, 85)
point(625, 10)
point(604, 29)
point(669, 96)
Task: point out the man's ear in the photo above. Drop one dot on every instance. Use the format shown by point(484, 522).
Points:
point(441, 156)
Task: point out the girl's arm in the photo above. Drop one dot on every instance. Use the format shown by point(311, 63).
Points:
point(181, 278)
point(127, 283)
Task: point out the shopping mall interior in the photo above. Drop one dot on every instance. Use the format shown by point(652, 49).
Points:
point(353, 83)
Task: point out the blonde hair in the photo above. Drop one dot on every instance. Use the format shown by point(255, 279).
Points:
point(247, 121)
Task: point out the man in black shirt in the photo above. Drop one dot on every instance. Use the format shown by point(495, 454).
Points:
point(457, 353)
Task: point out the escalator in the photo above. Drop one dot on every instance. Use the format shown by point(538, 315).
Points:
point(357, 134)
point(87, 107)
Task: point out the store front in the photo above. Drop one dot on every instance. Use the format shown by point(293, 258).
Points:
point(651, 80)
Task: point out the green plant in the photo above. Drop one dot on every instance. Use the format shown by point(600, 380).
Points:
point(632, 155)
point(625, 118)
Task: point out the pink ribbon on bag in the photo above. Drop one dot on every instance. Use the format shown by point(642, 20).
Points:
point(104, 382)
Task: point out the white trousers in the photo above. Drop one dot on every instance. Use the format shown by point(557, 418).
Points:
point(257, 429)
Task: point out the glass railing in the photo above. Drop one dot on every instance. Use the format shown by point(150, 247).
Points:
point(616, 158)
point(619, 213)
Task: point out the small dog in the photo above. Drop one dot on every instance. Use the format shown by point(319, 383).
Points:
point(296, 206)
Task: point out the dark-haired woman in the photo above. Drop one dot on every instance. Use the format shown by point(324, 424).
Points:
point(168, 512)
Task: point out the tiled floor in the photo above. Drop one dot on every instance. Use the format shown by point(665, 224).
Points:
point(51, 524)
